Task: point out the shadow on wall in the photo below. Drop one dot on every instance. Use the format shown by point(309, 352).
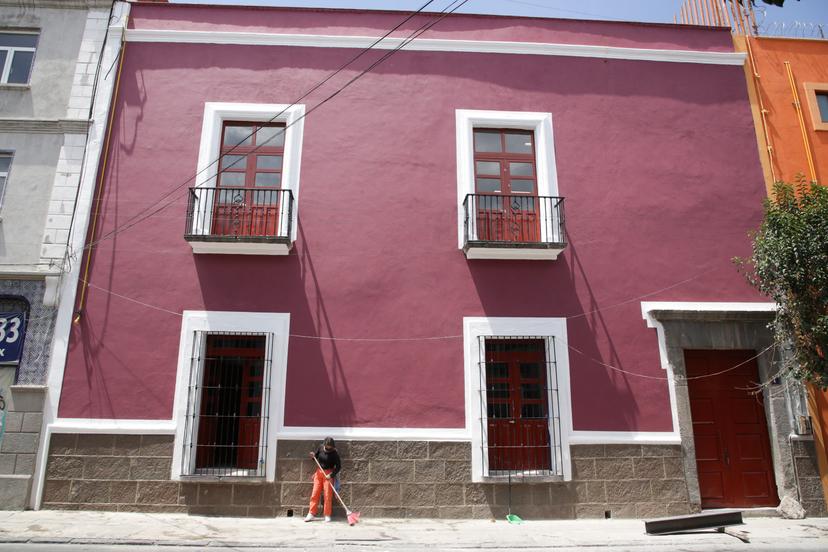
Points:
point(319, 388)
point(587, 329)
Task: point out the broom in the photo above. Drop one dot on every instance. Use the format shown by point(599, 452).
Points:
point(353, 517)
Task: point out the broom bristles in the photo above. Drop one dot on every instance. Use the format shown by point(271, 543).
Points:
point(353, 518)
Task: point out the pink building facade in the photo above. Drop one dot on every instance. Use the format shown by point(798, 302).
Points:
point(484, 260)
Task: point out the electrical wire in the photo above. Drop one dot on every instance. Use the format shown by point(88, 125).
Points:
point(663, 378)
point(451, 8)
point(576, 12)
point(148, 211)
point(460, 336)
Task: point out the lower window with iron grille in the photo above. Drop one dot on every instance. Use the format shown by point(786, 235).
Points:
point(520, 413)
point(228, 402)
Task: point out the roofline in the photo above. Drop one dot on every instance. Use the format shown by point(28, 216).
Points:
point(795, 38)
point(397, 12)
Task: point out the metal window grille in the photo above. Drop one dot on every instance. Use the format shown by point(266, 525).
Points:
point(512, 220)
point(520, 418)
point(239, 215)
point(228, 405)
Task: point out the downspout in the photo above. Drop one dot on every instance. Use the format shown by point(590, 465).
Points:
point(99, 189)
point(806, 143)
point(762, 111)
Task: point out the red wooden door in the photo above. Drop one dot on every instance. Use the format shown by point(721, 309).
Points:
point(517, 405)
point(733, 453)
point(251, 175)
point(505, 174)
point(250, 422)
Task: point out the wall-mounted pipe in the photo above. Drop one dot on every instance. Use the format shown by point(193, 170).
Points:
point(762, 111)
point(802, 128)
point(97, 197)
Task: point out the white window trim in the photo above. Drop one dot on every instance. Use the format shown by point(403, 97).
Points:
point(277, 324)
point(10, 51)
point(473, 329)
point(215, 113)
point(540, 123)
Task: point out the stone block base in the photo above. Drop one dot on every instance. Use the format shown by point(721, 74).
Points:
point(130, 473)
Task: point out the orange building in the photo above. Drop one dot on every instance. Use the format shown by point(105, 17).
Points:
point(787, 82)
point(788, 87)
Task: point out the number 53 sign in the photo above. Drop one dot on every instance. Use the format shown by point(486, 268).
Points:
point(12, 331)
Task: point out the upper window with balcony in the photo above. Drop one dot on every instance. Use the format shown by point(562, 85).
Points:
point(245, 200)
point(507, 188)
point(249, 181)
point(17, 52)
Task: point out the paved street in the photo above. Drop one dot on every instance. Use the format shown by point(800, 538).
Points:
point(339, 547)
point(122, 532)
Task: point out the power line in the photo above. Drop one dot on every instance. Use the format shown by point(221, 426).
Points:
point(151, 210)
point(551, 8)
point(460, 336)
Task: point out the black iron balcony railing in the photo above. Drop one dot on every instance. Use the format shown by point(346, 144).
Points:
point(519, 221)
point(239, 215)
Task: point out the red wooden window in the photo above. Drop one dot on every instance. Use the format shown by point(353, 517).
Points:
point(517, 405)
point(249, 179)
point(504, 161)
point(505, 177)
point(230, 416)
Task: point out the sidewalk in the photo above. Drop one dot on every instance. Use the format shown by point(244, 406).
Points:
point(58, 527)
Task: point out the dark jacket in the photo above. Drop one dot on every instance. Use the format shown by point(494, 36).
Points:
point(328, 460)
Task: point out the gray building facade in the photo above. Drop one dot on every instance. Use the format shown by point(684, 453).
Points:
point(49, 60)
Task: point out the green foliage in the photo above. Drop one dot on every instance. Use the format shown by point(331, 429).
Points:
point(789, 264)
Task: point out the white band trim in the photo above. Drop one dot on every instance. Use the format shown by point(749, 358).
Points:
point(624, 438)
point(122, 427)
point(436, 45)
point(167, 427)
point(375, 433)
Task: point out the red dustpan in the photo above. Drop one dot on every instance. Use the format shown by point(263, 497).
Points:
point(353, 517)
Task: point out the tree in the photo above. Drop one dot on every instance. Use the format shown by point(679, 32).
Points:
point(789, 264)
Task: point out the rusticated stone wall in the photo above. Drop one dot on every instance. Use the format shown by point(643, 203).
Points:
point(807, 476)
point(380, 479)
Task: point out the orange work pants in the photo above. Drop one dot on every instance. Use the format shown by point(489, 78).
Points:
point(321, 482)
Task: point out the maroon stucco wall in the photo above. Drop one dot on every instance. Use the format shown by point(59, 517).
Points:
point(657, 162)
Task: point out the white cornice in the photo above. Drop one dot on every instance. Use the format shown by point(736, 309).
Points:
point(435, 45)
point(58, 4)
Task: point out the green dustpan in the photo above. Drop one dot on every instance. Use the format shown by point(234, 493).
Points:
point(514, 518)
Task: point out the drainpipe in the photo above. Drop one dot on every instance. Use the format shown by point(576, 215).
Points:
point(802, 127)
point(762, 111)
point(97, 197)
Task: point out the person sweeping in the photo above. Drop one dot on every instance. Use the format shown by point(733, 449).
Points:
point(328, 466)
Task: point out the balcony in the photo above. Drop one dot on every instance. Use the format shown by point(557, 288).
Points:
point(240, 221)
point(498, 226)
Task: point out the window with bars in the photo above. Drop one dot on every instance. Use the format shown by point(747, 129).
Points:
point(228, 402)
point(17, 51)
point(520, 410)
